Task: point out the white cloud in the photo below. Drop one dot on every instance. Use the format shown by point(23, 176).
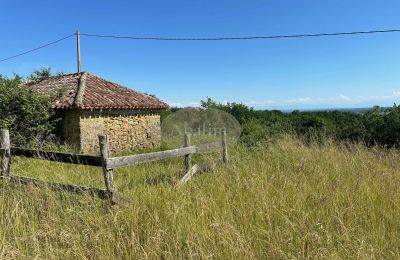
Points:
point(341, 99)
point(175, 104)
point(260, 103)
point(323, 101)
point(179, 104)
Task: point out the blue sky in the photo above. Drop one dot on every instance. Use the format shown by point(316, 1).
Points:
point(307, 73)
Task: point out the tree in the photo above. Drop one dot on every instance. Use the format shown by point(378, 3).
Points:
point(373, 122)
point(310, 126)
point(390, 130)
point(253, 132)
point(25, 112)
point(40, 74)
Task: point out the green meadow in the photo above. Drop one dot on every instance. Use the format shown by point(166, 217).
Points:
point(282, 200)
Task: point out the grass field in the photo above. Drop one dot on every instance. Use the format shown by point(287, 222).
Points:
point(281, 201)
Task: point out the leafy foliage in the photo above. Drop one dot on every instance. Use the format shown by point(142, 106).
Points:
point(25, 112)
point(42, 74)
point(378, 126)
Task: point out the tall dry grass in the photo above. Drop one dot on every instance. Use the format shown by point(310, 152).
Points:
point(283, 201)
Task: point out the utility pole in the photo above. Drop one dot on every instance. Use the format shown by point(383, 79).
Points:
point(78, 50)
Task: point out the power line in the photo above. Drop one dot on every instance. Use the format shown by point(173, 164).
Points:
point(38, 48)
point(241, 38)
point(205, 39)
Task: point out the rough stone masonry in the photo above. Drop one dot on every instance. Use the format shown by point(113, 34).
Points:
point(127, 129)
point(90, 105)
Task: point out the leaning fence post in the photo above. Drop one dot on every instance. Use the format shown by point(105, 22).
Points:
point(224, 147)
point(107, 173)
point(188, 157)
point(5, 144)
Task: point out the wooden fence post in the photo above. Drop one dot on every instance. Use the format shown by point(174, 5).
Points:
point(224, 147)
point(188, 157)
point(5, 144)
point(107, 173)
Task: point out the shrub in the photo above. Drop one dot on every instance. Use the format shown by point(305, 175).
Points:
point(253, 132)
point(25, 113)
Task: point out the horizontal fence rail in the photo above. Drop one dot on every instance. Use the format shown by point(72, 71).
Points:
point(57, 157)
point(107, 163)
point(115, 162)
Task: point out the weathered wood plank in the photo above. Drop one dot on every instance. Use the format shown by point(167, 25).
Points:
point(192, 171)
point(207, 147)
point(102, 194)
point(58, 157)
point(107, 172)
point(148, 157)
point(5, 144)
point(198, 169)
point(188, 157)
point(224, 147)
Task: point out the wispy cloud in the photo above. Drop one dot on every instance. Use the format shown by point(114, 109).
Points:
point(175, 104)
point(323, 101)
point(338, 100)
point(301, 100)
point(179, 104)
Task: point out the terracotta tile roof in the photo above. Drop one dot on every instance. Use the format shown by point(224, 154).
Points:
point(86, 91)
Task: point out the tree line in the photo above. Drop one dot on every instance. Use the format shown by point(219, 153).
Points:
point(377, 126)
point(32, 122)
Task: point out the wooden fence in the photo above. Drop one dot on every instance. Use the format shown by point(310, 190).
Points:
point(105, 161)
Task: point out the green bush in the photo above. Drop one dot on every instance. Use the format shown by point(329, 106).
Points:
point(377, 126)
point(253, 132)
point(390, 129)
point(25, 113)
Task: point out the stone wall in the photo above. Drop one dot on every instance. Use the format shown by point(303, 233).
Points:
point(69, 128)
point(127, 129)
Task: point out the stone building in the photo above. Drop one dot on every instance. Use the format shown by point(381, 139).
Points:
point(90, 105)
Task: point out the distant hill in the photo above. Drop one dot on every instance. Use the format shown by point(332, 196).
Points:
point(360, 110)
